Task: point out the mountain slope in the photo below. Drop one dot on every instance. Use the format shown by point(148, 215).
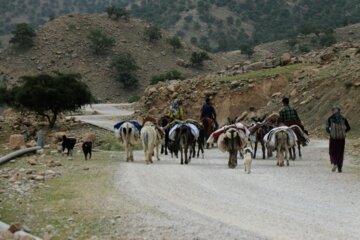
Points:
point(62, 45)
point(219, 25)
point(323, 79)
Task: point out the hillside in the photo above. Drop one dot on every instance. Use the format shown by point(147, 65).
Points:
point(315, 82)
point(217, 25)
point(62, 45)
point(296, 46)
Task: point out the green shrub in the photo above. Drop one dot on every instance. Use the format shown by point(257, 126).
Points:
point(188, 18)
point(292, 42)
point(126, 65)
point(23, 35)
point(197, 58)
point(304, 48)
point(175, 43)
point(348, 83)
point(100, 42)
point(247, 49)
point(117, 12)
point(194, 40)
point(327, 40)
point(133, 99)
point(230, 20)
point(152, 33)
point(170, 75)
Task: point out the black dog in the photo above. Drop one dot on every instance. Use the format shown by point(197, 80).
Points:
point(87, 148)
point(69, 144)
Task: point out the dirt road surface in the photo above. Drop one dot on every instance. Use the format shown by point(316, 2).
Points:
point(103, 114)
point(207, 200)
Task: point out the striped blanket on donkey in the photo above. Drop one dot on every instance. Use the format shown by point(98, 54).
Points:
point(269, 138)
point(241, 128)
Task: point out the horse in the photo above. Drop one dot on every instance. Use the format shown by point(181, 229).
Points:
point(128, 135)
point(184, 142)
point(231, 141)
point(209, 127)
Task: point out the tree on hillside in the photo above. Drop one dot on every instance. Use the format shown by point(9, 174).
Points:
point(5, 97)
point(230, 20)
point(247, 49)
point(175, 43)
point(49, 95)
point(197, 59)
point(292, 42)
point(309, 28)
point(115, 12)
point(152, 33)
point(23, 35)
point(125, 66)
point(327, 40)
point(100, 41)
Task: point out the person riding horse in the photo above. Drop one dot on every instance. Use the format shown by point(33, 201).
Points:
point(289, 116)
point(208, 111)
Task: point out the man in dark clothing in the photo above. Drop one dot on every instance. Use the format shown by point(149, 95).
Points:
point(337, 126)
point(208, 111)
point(288, 117)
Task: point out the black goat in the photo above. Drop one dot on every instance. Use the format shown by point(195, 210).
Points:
point(69, 144)
point(87, 148)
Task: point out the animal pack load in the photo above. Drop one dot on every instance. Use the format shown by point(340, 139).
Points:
point(243, 132)
point(270, 139)
point(194, 130)
point(338, 129)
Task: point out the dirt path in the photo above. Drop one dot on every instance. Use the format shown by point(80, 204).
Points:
point(104, 113)
point(206, 200)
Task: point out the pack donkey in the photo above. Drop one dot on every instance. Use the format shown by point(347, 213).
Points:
point(184, 141)
point(129, 136)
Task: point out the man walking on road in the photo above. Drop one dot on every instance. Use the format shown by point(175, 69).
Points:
point(337, 126)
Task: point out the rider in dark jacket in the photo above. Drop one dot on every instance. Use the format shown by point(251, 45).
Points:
point(208, 111)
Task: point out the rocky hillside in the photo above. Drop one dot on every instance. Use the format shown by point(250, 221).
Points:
point(314, 81)
point(62, 45)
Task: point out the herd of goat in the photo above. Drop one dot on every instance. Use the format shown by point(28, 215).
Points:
point(182, 137)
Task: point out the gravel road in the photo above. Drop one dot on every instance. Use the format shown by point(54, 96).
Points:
point(206, 200)
point(104, 112)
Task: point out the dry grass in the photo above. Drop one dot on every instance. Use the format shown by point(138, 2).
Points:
point(79, 200)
